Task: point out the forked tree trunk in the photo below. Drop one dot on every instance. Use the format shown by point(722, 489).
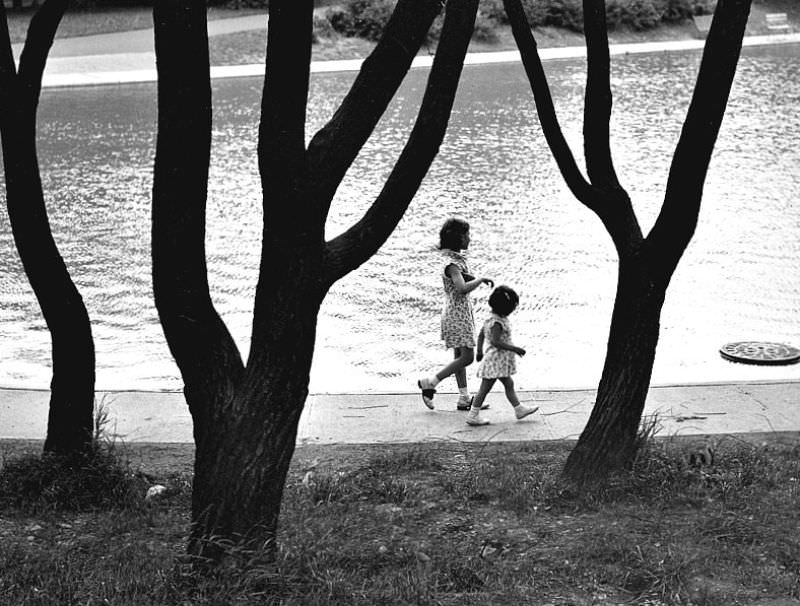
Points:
point(609, 440)
point(246, 415)
point(70, 420)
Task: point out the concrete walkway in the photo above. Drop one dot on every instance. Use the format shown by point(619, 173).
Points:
point(128, 57)
point(762, 408)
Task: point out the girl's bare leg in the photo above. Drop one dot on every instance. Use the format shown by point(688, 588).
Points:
point(464, 357)
point(461, 373)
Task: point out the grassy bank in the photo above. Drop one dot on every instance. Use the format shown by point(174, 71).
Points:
point(449, 524)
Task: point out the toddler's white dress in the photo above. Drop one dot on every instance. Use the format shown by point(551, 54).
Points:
point(497, 363)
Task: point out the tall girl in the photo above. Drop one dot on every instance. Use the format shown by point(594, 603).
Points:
point(458, 324)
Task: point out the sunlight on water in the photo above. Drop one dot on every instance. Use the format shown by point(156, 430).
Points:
point(379, 326)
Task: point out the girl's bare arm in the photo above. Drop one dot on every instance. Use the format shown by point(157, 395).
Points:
point(463, 287)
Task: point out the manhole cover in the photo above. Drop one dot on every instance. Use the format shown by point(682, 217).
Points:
point(755, 352)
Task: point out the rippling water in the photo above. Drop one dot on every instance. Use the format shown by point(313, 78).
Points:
point(378, 328)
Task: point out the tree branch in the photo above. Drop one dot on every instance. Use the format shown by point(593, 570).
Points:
point(551, 129)
point(32, 61)
point(352, 248)
point(8, 69)
point(612, 206)
point(334, 148)
point(199, 341)
point(677, 220)
point(281, 133)
point(597, 103)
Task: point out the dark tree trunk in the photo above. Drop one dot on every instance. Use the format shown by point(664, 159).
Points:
point(70, 421)
point(609, 440)
point(243, 458)
point(245, 415)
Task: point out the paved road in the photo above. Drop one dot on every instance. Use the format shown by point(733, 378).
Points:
point(127, 57)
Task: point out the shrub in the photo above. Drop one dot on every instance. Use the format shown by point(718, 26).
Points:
point(676, 11)
point(536, 10)
point(485, 28)
point(362, 18)
point(636, 14)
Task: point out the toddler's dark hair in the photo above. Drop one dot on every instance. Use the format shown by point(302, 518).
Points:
point(503, 300)
point(452, 231)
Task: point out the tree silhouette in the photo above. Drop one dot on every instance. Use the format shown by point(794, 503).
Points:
point(646, 263)
point(245, 415)
point(69, 426)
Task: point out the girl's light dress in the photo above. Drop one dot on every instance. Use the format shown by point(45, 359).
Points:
point(497, 363)
point(458, 322)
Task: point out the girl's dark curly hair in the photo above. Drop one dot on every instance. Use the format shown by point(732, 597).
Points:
point(451, 233)
point(503, 300)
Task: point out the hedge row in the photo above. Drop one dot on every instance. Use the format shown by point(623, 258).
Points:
point(366, 18)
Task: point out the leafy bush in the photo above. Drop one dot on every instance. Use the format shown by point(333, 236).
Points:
point(536, 11)
point(636, 14)
point(678, 10)
point(362, 18)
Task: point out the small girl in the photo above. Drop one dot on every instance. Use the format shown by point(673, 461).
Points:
point(500, 361)
point(458, 324)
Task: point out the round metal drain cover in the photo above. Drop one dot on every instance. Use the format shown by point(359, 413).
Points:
point(756, 352)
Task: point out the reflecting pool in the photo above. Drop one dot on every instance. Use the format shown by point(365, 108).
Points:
point(379, 326)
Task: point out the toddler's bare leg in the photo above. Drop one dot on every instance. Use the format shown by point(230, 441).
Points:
point(474, 416)
point(511, 394)
point(483, 391)
point(520, 411)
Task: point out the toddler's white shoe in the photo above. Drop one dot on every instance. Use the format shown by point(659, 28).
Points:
point(474, 417)
point(523, 411)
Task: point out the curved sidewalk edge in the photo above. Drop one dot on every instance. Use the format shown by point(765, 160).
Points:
point(163, 417)
point(139, 67)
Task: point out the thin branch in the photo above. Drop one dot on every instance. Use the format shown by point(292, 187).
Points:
point(8, 69)
point(41, 33)
point(612, 206)
point(334, 148)
point(598, 100)
point(198, 339)
point(677, 220)
point(349, 250)
point(281, 134)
